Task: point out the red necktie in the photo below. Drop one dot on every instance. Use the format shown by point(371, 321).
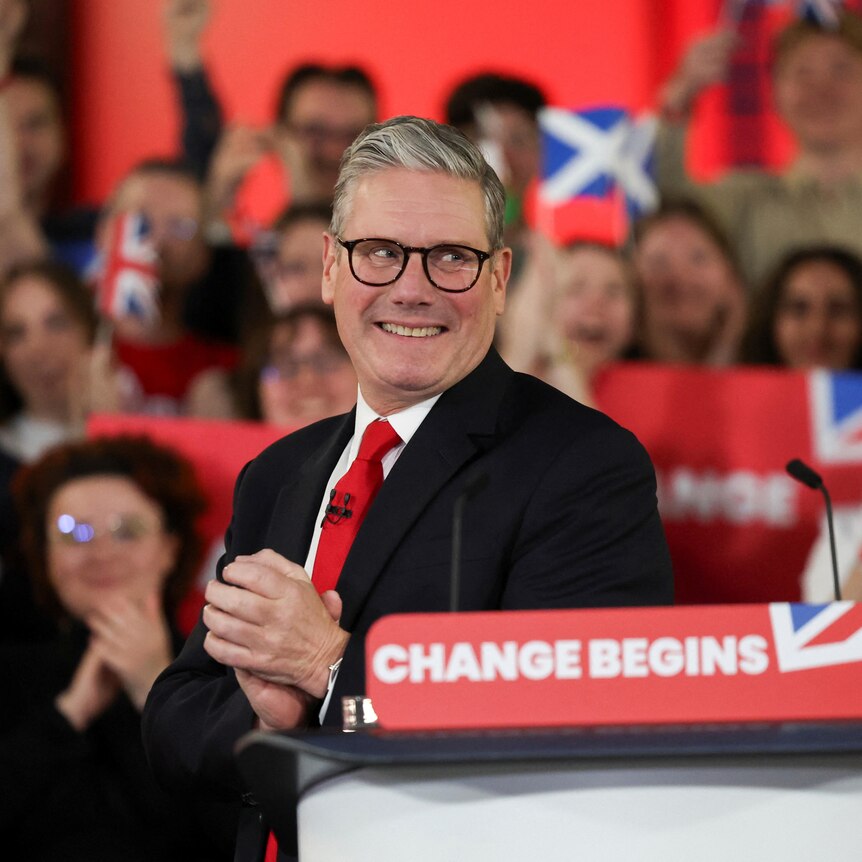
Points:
point(349, 503)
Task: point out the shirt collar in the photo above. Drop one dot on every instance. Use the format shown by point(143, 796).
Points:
point(405, 422)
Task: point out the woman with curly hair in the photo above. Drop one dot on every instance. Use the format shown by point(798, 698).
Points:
point(108, 529)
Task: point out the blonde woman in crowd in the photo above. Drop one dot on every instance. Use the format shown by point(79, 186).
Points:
point(575, 314)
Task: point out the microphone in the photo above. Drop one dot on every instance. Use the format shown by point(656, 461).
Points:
point(475, 484)
point(804, 474)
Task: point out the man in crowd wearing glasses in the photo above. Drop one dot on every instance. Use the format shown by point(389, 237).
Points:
point(319, 111)
point(416, 271)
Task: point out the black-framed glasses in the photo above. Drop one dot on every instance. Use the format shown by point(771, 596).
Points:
point(378, 262)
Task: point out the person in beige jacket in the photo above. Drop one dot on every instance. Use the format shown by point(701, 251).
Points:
point(817, 91)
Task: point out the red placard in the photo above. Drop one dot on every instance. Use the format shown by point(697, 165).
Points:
point(623, 666)
point(738, 527)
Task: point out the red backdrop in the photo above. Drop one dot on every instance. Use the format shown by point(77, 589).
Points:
point(588, 52)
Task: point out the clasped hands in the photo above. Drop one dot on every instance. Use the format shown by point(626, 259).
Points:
point(130, 645)
point(277, 634)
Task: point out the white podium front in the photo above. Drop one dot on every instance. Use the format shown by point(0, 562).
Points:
point(766, 792)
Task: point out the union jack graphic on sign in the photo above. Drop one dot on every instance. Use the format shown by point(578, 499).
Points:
point(816, 636)
point(836, 413)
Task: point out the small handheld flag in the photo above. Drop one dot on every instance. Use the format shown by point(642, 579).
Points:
point(129, 284)
point(596, 171)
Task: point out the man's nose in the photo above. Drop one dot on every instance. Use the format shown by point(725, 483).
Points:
point(413, 285)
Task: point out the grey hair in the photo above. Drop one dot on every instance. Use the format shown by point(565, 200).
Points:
point(418, 144)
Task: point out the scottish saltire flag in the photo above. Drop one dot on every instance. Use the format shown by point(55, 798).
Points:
point(128, 285)
point(814, 636)
point(636, 167)
point(596, 171)
point(836, 416)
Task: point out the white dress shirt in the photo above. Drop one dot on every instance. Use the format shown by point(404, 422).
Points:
point(405, 423)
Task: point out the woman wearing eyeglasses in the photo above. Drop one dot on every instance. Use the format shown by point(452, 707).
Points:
point(293, 371)
point(47, 328)
point(109, 535)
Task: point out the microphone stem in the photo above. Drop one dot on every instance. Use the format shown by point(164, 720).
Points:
point(455, 572)
point(835, 581)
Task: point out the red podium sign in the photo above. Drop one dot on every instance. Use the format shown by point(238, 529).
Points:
point(778, 662)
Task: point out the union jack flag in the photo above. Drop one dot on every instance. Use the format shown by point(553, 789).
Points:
point(836, 415)
point(129, 285)
point(811, 636)
point(598, 162)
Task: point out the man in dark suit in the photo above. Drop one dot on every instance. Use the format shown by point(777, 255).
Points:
point(566, 518)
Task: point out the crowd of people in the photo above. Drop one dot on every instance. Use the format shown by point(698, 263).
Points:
point(98, 538)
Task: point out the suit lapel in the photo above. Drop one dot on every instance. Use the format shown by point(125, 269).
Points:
point(295, 510)
point(460, 425)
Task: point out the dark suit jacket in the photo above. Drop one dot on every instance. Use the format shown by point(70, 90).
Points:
point(567, 519)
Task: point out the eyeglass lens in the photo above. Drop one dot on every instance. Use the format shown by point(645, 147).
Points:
point(120, 528)
point(450, 267)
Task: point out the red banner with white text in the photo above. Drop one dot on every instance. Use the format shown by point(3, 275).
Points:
point(739, 528)
point(779, 662)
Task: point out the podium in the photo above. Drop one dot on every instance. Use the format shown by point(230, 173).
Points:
point(771, 791)
point(648, 734)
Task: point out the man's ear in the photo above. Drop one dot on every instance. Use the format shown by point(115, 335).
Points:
point(330, 268)
point(500, 271)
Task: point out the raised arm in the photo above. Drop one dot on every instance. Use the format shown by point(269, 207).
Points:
point(21, 237)
point(185, 22)
point(705, 63)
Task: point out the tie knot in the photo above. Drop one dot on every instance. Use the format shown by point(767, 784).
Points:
point(378, 439)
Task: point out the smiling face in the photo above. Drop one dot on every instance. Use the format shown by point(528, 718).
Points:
point(34, 114)
point(43, 345)
point(322, 119)
point(818, 92)
point(595, 307)
point(299, 265)
point(818, 323)
point(688, 283)
point(408, 340)
point(131, 554)
point(308, 375)
point(172, 205)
